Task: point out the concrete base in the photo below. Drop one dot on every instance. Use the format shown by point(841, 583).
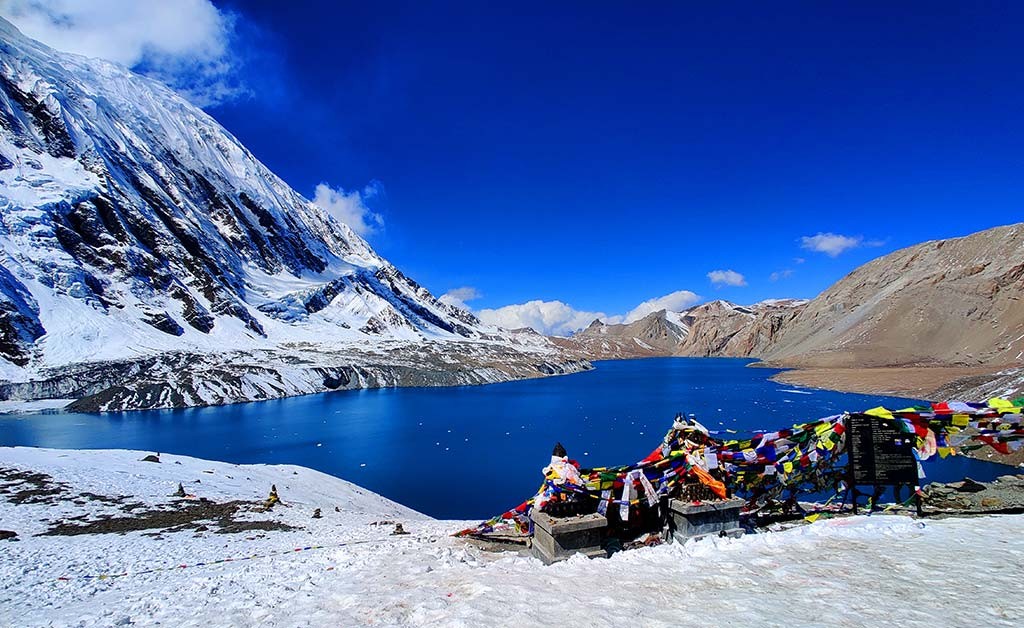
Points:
point(704, 519)
point(558, 538)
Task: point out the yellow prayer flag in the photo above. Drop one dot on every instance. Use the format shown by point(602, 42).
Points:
point(879, 412)
point(960, 420)
point(996, 402)
point(812, 518)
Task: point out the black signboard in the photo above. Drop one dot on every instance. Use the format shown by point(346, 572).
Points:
point(880, 454)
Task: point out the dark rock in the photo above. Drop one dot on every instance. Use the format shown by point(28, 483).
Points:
point(58, 141)
point(970, 486)
point(7, 534)
point(163, 322)
point(19, 319)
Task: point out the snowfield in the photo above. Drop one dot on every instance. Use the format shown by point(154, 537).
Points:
point(860, 571)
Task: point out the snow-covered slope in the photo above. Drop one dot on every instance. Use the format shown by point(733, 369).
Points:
point(860, 571)
point(134, 225)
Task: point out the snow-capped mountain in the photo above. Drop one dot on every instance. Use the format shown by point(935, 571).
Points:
point(138, 232)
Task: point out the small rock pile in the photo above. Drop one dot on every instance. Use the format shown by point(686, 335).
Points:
point(1006, 493)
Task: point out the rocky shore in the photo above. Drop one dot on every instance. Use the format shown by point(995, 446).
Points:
point(1005, 495)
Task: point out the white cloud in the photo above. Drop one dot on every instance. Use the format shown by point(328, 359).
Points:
point(184, 43)
point(552, 318)
point(460, 296)
point(727, 278)
point(555, 318)
point(785, 273)
point(834, 244)
point(675, 302)
point(350, 207)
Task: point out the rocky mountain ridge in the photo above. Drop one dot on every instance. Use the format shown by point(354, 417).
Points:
point(714, 329)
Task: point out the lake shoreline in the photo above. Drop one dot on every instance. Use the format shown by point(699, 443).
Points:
point(920, 382)
point(160, 396)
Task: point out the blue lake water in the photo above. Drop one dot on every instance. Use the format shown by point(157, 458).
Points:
point(470, 452)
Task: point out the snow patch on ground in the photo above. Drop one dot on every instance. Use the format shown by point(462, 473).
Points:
point(856, 571)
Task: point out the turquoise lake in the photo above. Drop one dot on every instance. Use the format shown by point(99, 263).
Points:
point(470, 452)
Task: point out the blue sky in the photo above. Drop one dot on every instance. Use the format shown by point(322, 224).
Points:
point(602, 154)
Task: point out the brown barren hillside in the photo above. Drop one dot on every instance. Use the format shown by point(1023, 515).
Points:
point(954, 302)
point(715, 329)
point(936, 320)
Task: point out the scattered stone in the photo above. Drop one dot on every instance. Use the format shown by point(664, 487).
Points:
point(399, 530)
point(8, 535)
point(316, 513)
point(970, 496)
point(180, 492)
